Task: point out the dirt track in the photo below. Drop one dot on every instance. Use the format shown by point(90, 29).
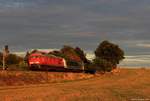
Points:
point(128, 85)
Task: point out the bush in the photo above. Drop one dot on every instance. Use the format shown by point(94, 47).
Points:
point(13, 59)
point(23, 65)
point(102, 64)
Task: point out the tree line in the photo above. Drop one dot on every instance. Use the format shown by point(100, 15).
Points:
point(107, 56)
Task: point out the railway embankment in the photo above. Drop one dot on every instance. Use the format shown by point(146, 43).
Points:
point(15, 78)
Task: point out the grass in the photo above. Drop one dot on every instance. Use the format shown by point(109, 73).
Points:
point(126, 94)
point(127, 85)
point(10, 78)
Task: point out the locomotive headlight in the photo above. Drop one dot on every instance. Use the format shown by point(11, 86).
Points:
point(31, 62)
point(36, 62)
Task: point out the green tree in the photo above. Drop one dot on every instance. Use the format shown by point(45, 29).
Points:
point(71, 53)
point(1, 58)
point(13, 59)
point(110, 53)
point(82, 55)
point(71, 56)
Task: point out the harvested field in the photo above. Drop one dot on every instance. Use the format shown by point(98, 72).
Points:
point(127, 85)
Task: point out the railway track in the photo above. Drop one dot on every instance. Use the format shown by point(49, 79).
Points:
point(60, 69)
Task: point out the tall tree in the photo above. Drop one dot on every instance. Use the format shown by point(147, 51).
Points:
point(110, 52)
point(82, 55)
point(71, 53)
point(5, 56)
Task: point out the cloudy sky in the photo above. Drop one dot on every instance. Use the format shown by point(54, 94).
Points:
point(26, 24)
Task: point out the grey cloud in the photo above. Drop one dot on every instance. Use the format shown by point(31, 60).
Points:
point(37, 22)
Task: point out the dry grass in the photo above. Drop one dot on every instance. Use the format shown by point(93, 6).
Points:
point(17, 78)
point(127, 85)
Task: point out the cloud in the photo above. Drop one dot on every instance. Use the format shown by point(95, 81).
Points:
point(143, 45)
point(86, 22)
point(86, 34)
point(15, 4)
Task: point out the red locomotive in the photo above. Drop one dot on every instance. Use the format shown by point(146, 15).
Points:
point(40, 60)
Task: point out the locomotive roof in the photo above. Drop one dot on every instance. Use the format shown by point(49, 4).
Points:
point(44, 54)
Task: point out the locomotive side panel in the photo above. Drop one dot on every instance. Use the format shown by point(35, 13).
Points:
point(42, 60)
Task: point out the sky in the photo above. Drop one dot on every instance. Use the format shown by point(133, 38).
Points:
point(28, 24)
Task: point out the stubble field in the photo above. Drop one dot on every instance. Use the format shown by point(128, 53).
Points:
point(127, 85)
